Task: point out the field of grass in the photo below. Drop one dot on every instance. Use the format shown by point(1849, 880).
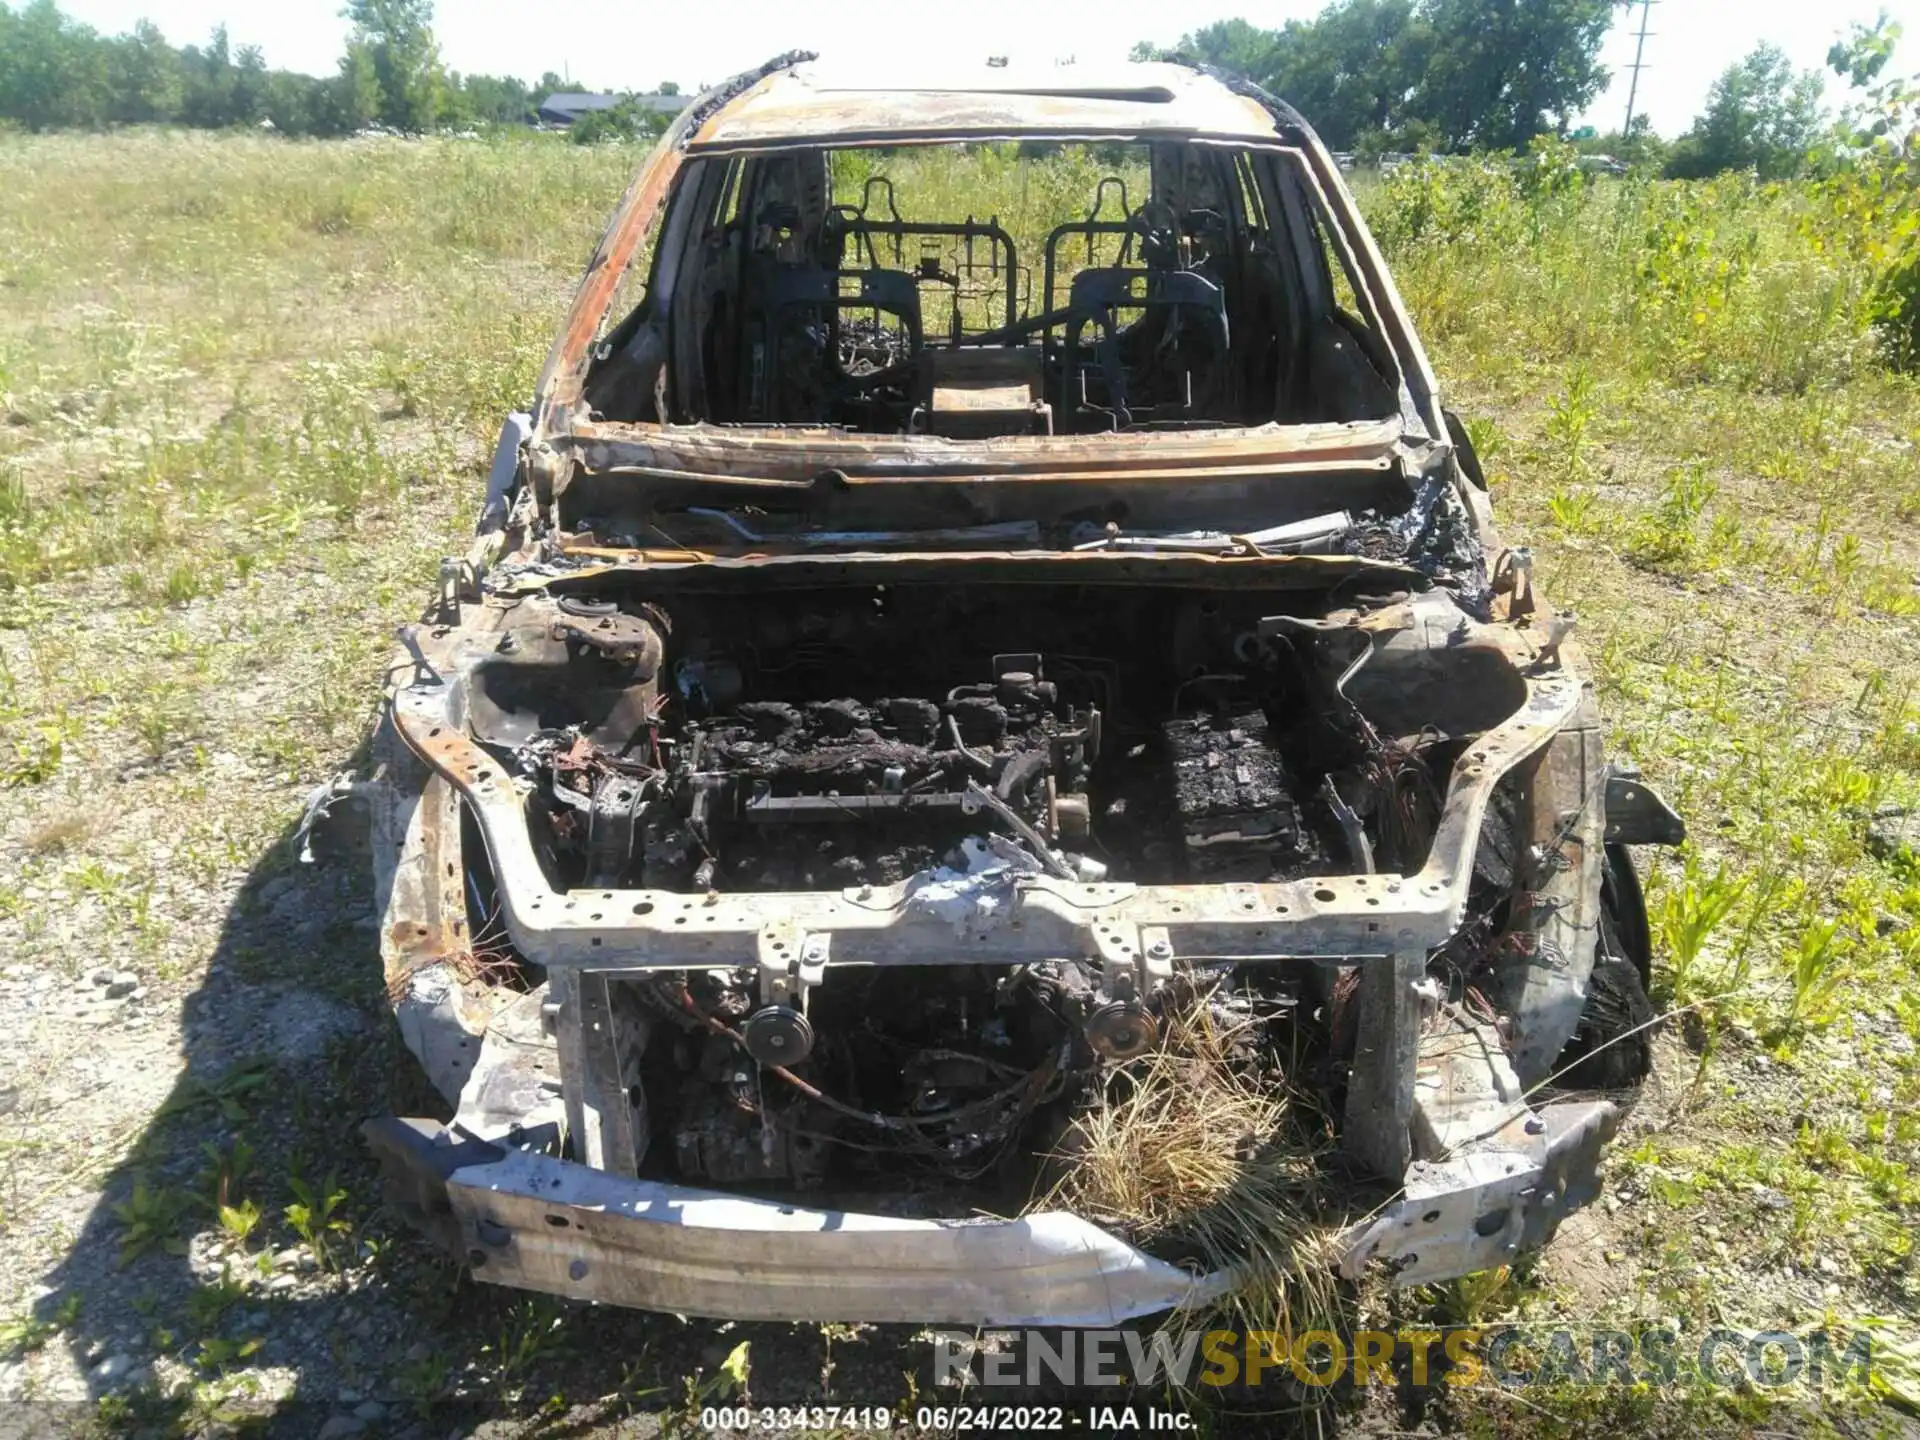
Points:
point(247, 388)
point(1679, 401)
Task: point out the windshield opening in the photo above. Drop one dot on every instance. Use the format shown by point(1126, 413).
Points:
point(992, 289)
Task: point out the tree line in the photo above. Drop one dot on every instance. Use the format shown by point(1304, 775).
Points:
point(1447, 75)
point(56, 73)
point(1372, 76)
point(1460, 75)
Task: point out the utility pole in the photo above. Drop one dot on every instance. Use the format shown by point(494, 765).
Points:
point(1639, 64)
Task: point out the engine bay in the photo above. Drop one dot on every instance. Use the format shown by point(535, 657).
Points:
point(856, 737)
point(938, 738)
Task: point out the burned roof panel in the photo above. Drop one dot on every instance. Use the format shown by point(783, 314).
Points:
point(809, 103)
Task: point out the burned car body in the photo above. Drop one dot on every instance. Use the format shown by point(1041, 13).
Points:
point(895, 670)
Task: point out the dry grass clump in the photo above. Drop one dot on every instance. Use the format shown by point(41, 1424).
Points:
point(58, 835)
point(1193, 1149)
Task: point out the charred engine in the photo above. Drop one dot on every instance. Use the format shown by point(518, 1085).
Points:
point(939, 1074)
point(861, 746)
point(767, 793)
point(850, 740)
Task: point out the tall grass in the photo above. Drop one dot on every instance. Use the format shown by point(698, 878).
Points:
point(212, 342)
point(1706, 396)
point(1681, 282)
point(1198, 1148)
point(215, 349)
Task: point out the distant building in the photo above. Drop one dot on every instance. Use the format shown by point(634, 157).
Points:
point(564, 107)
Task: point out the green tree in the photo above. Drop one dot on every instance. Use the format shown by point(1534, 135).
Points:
point(1640, 146)
point(352, 101)
point(628, 120)
point(498, 99)
point(55, 72)
point(1864, 53)
point(1413, 73)
point(1879, 110)
point(143, 77)
point(1495, 73)
point(52, 70)
point(1870, 188)
point(297, 104)
point(397, 38)
point(1232, 45)
point(1354, 65)
point(1346, 70)
point(1760, 116)
point(249, 87)
point(210, 77)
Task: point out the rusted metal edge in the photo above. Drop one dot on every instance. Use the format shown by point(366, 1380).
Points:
point(798, 457)
point(1139, 99)
point(985, 135)
point(1083, 566)
point(558, 388)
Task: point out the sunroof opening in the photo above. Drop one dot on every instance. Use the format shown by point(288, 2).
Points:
point(1125, 95)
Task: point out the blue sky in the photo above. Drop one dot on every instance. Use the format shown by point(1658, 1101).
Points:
point(635, 45)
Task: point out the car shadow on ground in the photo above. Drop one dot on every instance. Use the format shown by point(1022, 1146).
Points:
point(330, 1317)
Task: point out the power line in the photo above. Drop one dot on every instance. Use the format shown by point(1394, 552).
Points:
point(1639, 64)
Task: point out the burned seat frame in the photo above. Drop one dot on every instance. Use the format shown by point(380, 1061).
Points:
point(891, 292)
point(1098, 297)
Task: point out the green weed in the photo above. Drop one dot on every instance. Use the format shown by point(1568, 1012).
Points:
point(1816, 974)
point(533, 1329)
point(1572, 513)
point(209, 1304)
point(226, 1092)
point(239, 1221)
point(1488, 439)
point(24, 1336)
point(1569, 428)
point(150, 1220)
point(315, 1218)
point(183, 583)
point(730, 1380)
point(36, 756)
point(218, 1354)
point(1684, 918)
point(1667, 534)
point(220, 1182)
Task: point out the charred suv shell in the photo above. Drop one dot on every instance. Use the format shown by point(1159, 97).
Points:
point(909, 669)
